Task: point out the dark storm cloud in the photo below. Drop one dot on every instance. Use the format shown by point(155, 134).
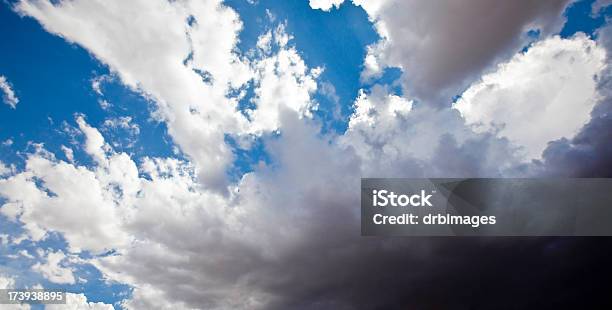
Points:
point(446, 273)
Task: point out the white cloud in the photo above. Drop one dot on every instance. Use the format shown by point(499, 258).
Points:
point(124, 128)
point(68, 152)
point(98, 81)
point(53, 270)
point(282, 80)
point(25, 253)
point(325, 5)
point(79, 302)
point(551, 86)
point(83, 201)
point(264, 42)
point(123, 122)
point(104, 104)
point(94, 142)
point(4, 170)
point(8, 95)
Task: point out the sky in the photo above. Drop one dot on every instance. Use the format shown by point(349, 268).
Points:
point(207, 154)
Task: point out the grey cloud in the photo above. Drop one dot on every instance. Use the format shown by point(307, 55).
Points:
point(442, 45)
point(300, 246)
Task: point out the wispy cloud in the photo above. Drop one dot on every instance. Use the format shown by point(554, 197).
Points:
point(8, 95)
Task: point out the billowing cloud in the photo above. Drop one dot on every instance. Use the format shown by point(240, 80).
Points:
point(588, 153)
point(84, 205)
point(8, 95)
point(281, 80)
point(551, 86)
point(396, 139)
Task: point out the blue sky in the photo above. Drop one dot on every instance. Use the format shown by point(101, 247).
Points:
point(53, 80)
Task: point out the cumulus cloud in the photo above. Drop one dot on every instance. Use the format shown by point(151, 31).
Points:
point(282, 80)
point(84, 205)
point(441, 45)
point(395, 138)
point(8, 95)
point(554, 77)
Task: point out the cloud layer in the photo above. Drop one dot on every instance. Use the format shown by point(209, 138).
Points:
point(287, 235)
